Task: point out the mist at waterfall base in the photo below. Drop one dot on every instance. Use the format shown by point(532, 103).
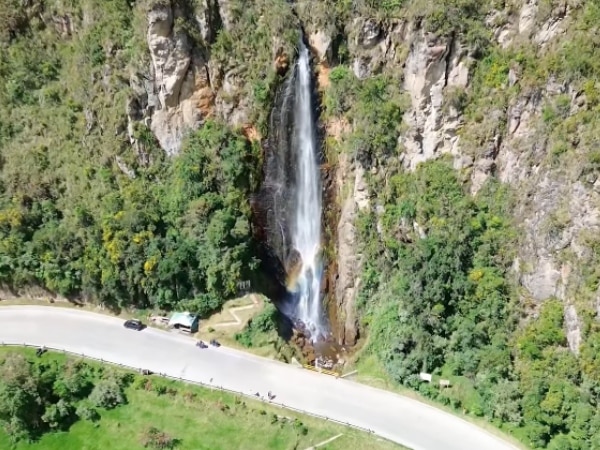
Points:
point(305, 302)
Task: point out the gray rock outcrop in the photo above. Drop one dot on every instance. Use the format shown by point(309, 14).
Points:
point(181, 80)
point(557, 211)
point(352, 192)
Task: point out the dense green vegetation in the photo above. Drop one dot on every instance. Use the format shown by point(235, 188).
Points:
point(375, 130)
point(267, 334)
point(437, 292)
point(261, 329)
point(176, 233)
point(246, 49)
point(37, 397)
point(442, 16)
point(62, 403)
point(439, 299)
point(449, 282)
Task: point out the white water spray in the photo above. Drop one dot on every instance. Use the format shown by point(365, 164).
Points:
point(306, 232)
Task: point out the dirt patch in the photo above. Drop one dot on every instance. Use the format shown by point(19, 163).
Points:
point(232, 319)
point(57, 303)
point(336, 128)
point(36, 294)
point(251, 133)
point(234, 316)
point(323, 76)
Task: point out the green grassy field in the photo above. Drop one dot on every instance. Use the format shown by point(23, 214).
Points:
point(199, 419)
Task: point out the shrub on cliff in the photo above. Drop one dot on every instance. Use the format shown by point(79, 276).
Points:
point(374, 107)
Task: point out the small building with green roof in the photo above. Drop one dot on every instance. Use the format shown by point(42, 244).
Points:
point(185, 321)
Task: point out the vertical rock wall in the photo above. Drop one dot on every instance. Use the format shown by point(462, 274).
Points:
point(181, 90)
point(273, 205)
point(557, 210)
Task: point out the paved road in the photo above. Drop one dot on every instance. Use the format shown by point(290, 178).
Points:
point(401, 419)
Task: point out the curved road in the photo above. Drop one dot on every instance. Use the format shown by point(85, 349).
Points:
point(400, 419)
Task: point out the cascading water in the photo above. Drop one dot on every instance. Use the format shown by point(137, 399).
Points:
point(306, 224)
point(288, 206)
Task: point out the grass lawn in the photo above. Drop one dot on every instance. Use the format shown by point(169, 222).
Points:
point(199, 419)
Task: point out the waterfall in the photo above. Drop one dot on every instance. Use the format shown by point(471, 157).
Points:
point(306, 223)
point(287, 209)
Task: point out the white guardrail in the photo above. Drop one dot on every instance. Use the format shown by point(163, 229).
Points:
point(197, 383)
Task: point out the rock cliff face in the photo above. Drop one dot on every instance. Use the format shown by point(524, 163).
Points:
point(177, 95)
point(557, 207)
point(433, 65)
point(273, 205)
point(182, 85)
point(352, 193)
point(181, 80)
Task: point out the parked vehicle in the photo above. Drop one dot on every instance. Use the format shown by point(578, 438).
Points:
point(201, 344)
point(134, 324)
point(215, 343)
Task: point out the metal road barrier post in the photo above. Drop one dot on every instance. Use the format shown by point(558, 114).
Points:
point(320, 370)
